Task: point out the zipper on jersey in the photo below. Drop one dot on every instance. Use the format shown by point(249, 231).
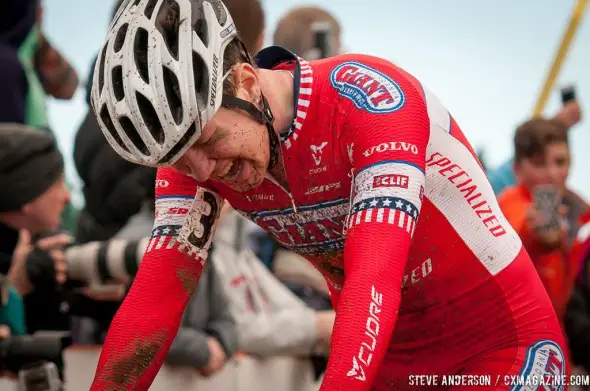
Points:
point(273, 180)
point(270, 177)
point(346, 222)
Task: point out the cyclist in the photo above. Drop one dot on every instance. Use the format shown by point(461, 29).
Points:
point(349, 161)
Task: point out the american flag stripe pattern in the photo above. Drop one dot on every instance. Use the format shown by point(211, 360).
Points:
point(386, 210)
point(165, 238)
point(305, 90)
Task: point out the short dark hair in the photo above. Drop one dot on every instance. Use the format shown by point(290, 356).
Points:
point(532, 137)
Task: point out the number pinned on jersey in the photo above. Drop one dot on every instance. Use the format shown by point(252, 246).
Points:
point(199, 226)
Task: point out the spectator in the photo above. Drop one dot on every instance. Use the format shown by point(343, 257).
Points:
point(295, 31)
point(542, 157)
point(208, 336)
point(503, 176)
point(12, 311)
point(119, 195)
point(248, 17)
point(577, 316)
point(29, 68)
point(271, 320)
point(32, 198)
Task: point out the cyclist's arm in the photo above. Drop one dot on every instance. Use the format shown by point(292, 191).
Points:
point(146, 324)
point(388, 183)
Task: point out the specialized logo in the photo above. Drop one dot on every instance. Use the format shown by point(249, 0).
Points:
point(474, 196)
point(417, 274)
point(391, 146)
point(316, 152)
point(391, 180)
point(367, 88)
point(361, 362)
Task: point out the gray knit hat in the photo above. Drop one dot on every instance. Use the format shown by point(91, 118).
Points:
point(30, 163)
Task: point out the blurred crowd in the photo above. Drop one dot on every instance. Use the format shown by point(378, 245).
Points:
point(66, 271)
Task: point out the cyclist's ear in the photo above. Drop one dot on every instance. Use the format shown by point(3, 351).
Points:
point(246, 82)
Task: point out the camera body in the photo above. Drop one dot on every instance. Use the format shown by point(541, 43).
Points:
point(42, 376)
point(34, 354)
point(323, 46)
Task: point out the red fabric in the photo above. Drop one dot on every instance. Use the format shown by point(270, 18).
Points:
point(146, 323)
point(375, 254)
point(387, 199)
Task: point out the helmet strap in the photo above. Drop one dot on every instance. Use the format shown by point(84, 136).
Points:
point(263, 116)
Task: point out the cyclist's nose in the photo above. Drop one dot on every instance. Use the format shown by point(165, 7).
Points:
point(197, 164)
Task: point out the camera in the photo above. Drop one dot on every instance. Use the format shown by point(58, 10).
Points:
point(322, 41)
point(42, 376)
point(29, 352)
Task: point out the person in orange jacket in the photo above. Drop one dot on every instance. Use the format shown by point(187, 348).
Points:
point(542, 163)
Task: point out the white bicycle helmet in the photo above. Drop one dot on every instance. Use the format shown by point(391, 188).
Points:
point(159, 76)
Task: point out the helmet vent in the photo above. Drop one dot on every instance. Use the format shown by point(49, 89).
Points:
point(190, 133)
point(101, 68)
point(201, 77)
point(150, 118)
point(173, 96)
point(149, 8)
point(168, 23)
point(131, 132)
point(120, 38)
point(141, 53)
point(118, 88)
point(106, 120)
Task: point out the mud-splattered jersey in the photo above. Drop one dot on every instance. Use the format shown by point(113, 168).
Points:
point(387, 199)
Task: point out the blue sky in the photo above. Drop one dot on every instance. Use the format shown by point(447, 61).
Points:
point(486, 60)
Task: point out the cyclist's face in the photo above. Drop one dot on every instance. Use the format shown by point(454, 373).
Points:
point(233, 149)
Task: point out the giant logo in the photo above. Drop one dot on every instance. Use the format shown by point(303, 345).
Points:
point(367, 88)
point(315, 229)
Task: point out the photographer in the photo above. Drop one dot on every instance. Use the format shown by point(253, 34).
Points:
point(32, 199)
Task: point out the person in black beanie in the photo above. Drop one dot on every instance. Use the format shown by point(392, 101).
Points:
point(32, 197)
point(31, 178)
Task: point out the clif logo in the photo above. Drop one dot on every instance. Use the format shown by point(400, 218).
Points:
point(367, 88)
point(391, 180)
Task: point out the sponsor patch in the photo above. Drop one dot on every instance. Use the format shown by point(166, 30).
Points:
point(367, 88)
point(544, 359)
point(391, 146)
point(171, 211)
point(391, 180)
